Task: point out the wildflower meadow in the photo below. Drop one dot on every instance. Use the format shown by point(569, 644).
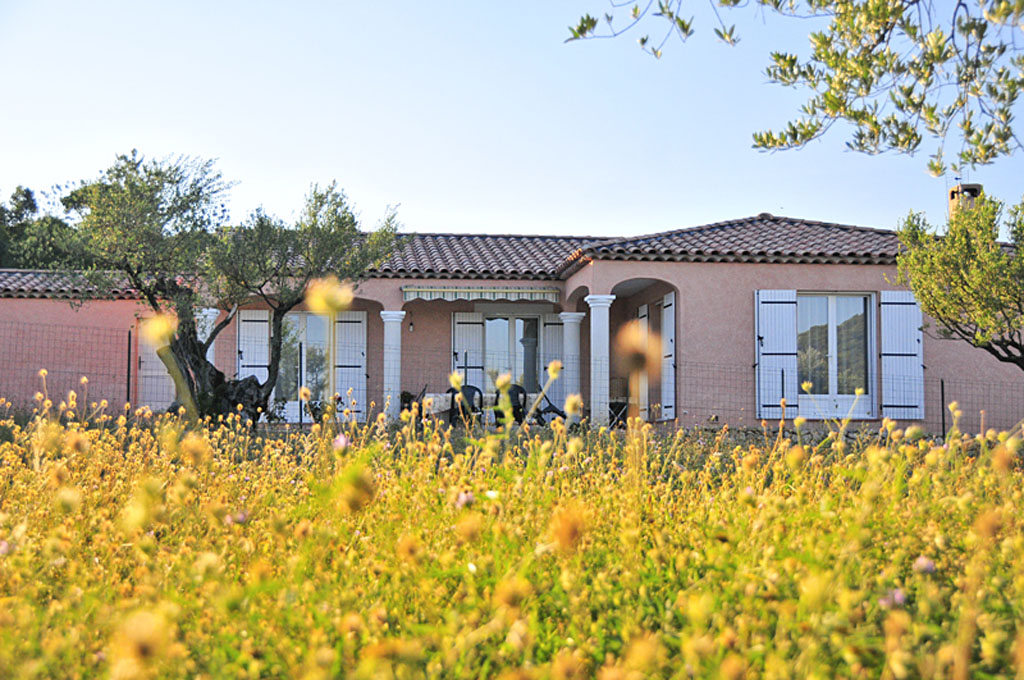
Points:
point(135, 545)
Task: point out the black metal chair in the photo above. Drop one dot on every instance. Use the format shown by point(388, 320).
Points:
point(471, 405)
point(518, 396)
point(541, 416)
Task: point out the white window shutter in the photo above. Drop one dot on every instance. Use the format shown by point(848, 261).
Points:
point(775, 342)
point(668, 357)
point(350, 361)
point(206, 319)
point(468, 347)
point(552, 340)
point(641, 397)
point(254, 343)
point(902, 358)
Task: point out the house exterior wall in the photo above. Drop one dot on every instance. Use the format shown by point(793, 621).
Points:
point(715, 337)
point(96, 340)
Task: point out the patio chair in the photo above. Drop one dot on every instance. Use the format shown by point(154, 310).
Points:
point(517, 394)
point(470, 407)
point(542, 415)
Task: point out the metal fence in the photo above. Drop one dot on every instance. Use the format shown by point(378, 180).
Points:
point(67, 353)
point(120, 369)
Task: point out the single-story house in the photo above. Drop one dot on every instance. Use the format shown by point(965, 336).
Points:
point(738, 315)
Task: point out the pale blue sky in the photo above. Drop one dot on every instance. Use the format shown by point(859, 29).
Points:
point(471, 116)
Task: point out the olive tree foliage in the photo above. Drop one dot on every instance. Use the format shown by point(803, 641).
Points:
point(160, 226)
point(895, 71)
point(966, 279)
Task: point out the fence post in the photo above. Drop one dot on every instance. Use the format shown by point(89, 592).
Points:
point(128, 372)
point(942, 406)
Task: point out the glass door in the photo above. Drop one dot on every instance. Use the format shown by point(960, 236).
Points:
point(833, 356)
point(303, 364)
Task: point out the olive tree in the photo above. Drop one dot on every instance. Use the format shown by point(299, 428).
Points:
point(895, 71)
point(966, 279)
point(160, 226)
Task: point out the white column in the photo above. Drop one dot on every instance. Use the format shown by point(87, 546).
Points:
point(392, 361)
point(600, 360)
point(571, 350)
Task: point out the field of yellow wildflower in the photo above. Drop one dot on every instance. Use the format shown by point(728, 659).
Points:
point(133, 546)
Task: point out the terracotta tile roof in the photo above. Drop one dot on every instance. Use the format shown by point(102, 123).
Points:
point(765, 238)
point(480, 256)
point(42, 283)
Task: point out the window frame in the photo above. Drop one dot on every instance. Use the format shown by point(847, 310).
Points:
point(834, 405)
point(511, 318)
point(292, 407)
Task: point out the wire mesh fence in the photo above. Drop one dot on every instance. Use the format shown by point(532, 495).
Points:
point(67, 353)
point(122, 369)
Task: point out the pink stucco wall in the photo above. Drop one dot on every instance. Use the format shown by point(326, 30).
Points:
point(91, 340)
point(714, 338)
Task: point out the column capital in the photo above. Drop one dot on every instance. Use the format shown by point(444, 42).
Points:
point(392, 316)
point(572, 317)
point(599, 300)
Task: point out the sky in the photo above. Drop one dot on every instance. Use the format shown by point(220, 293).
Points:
point(469, 117)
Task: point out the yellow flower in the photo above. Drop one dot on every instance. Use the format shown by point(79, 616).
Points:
point(139, 644)
point(194, 448)
point(455, 380)
point(512, 593)
point(636, 349)
point(554, 369)
point(159, 330)
point(409, 548)
point(573, 405)
point(568, 666)
point(305, 394)
point(68, 499)
point(328, 295)
point(468, 528)
point(568, 526)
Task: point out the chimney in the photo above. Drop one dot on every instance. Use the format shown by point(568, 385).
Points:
point(963, 195)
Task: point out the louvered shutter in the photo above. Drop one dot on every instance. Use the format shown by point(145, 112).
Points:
point(776, 353)
point(254, 343)
point(350, 361)
point(641, 397)
point(468, 347)
point(552, 340)
point(668, 357)
point(206, 319)
point(902, 358)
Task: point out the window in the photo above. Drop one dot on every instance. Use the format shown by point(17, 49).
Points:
point(511, 345)
point(485, 345)
point(828, 339)
point(834, 350)
point(303, 361)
